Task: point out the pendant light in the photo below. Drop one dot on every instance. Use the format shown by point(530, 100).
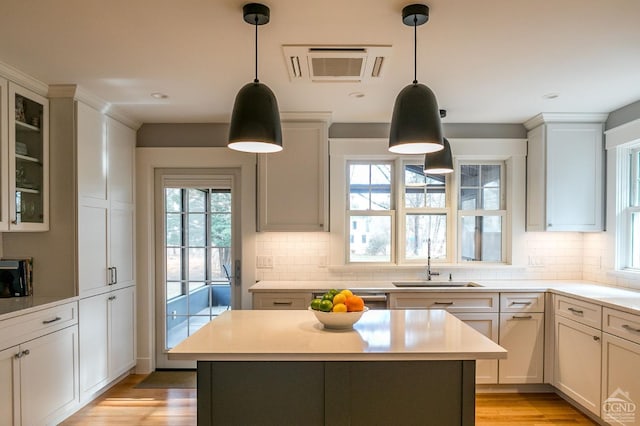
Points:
point(415, 123)
point(439, 162)
point(255, 120)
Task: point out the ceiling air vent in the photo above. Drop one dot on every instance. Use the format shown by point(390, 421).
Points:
point(335, 63)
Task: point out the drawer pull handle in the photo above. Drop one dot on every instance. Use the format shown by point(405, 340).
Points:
point(596, 338)
point(576, 311)
point(112, 297)
point(519, 317)
point(443, 303)
point(628, 327)
point(521, 303)
point(51, 320)
point(289, 303)
point(21, 354)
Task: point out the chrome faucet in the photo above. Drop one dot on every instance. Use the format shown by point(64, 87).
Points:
point(429, 273)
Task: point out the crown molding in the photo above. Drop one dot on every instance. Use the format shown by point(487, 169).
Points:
point(565, 117)
point(78, 93)
point(24, 80)
point(307, 116)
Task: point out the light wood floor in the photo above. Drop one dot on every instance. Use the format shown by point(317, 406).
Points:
point(126, 405)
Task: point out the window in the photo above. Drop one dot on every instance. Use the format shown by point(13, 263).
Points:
point(481, 212)
point(633, 209)
point(198, 238)
point(425, 213)
point(370, 211)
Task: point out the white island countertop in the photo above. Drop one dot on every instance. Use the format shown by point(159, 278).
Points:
point(296, 335)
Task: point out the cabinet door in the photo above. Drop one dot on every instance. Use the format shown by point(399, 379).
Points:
point(289, 300)
point(121, 331)
point(49, 377)
point(620, 380)
point(91, 153)
point(121, 148)
point(523, 336)
point(575, 180)
point(4, 158)
point(93, 344)
point(292, 184)
point(577, 362)
point(28, 160)
point(486, 324)
point(9, 387)
point(93, 218)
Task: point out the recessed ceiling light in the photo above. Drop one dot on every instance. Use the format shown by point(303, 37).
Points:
point(356, 94)
point(552, 95)
point(159, 95)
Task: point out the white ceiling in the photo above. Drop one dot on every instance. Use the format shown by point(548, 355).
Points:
point(487, 61)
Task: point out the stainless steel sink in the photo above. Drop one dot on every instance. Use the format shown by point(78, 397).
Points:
point(428, 284)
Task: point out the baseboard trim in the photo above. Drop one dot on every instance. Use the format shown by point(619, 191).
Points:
point(520, 388)
point(144, 366)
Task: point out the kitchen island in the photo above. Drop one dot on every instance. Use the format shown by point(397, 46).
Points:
point(283, 368)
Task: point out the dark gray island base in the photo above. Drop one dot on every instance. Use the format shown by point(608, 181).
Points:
point(336, 393)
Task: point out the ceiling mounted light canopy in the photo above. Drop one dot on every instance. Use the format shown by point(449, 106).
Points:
point(255, 120)
point(439, 162)
point(415, 123)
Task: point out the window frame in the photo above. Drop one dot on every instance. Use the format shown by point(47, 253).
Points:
point(502, 212)
point(628, 203)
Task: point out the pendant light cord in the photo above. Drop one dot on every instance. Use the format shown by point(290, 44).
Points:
point(415, 49)
point(256, 79)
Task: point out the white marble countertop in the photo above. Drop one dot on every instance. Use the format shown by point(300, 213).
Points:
point(296, 335)
point(617, 298)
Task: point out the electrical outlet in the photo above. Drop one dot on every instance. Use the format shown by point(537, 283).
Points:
point(264, 262)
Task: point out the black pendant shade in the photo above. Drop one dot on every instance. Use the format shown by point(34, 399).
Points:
point(439, 162)
point(415, 123)
point(255, 120)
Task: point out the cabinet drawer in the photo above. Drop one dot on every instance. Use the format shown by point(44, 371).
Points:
point(35, 324)
point(621, 324)
point(452, 302)
point(583, 312)
point(521, 302)
point(281, 300)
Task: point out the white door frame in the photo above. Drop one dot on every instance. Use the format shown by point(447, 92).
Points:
point(149, 159)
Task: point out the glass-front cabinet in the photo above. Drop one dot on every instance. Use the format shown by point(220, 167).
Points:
point(28, 158)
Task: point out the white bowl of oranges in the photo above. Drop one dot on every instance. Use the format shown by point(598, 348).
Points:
point(338, 309)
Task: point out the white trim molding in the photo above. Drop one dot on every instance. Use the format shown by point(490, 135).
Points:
point(565, 117)
point(623, 134)
point(24, 80)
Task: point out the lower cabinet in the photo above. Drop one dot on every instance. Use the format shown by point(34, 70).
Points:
point(284, 300)
point(486, 324)
point(577, 364)
point(522, 335)
point(620, 380)
point(107, 339)
point(38, 379)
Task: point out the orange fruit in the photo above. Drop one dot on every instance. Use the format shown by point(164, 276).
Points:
point(339, 307)
point(339, 298)
point(355, 304)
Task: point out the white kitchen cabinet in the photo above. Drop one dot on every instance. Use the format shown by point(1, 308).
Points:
point(293, 184)
point(105, 202)
point(107, 339)
point(282, 300)
point(39, 366)
point(488, 325)
point(565, 177)
point(49, 377)
point(25, 159)
point(620, 378)
point(9, 387)
point(522, 335)
point(577, 362)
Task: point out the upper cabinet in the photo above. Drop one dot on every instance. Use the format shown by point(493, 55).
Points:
point(25, 160)
point(565, 173)
point(293, 183)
